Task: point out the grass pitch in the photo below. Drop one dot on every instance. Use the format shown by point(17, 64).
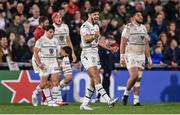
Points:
point(99, 108)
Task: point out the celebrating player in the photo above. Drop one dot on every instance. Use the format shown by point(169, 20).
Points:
point(90, 35)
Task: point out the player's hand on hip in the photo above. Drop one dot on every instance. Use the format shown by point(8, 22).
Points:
point(149, 62)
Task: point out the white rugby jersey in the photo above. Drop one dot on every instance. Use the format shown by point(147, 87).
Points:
point(61, 33)
point(49, 47)
point(88, 28)
point(135, 34)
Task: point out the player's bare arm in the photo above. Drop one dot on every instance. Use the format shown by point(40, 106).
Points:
point(105, 46)
point(89, 38)
point(69, 43)
point(122, 50)
point(147, 53)
point(38, 61)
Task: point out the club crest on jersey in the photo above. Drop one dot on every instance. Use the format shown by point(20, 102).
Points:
point(142, 37)
point(51, 51)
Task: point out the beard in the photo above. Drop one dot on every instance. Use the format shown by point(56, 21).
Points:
point(139, 21)
point(94, 21)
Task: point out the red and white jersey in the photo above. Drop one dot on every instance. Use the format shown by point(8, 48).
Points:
point(61, 33)
point(48, 49)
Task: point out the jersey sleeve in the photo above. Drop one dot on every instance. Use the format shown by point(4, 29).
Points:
point(125, 32)
point(84, 31)
point(38, 44)
point(67, 29)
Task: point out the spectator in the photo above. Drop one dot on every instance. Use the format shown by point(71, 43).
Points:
point(157, 56)
point(121, 15)
point(77, 20)
point(27, 31)
point(72, 7)
point(4, 22)
point(63, 10)
point(152, 35)
point(149, 7)
point(173, 33)
point(113, 26)
point(4, 49)
point(85, 9)
point(40, 5)
point(172, 54)
point(171, 10)
point(15, 27)
point(159, 25)
point(164, 39)
point(20, 11)
point(105, 14)
point(34, 20)
point(20, 50)
point(104, 28)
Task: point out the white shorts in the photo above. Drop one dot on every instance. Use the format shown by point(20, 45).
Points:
point(133, 60)
point(50, 69)
point(65, 65)
point(90, 60)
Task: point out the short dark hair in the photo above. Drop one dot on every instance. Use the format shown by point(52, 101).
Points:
point(68, 50)
point(134, 12)
point(94, 9)
point(42, 19)
point(48, 27)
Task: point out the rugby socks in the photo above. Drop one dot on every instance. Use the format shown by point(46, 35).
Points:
point(126, 92)
point(37, 90)
point(47, 94)
point(136, 99)
point(56, 94)
point(89, 94)
point(102, 91)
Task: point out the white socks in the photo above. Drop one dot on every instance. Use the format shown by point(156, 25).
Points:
point(47, 94)
point(126, 92)
point(136, 99)
point(89, 94)
point(102, 91)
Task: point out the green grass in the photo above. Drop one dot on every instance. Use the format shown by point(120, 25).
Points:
point(99, 108)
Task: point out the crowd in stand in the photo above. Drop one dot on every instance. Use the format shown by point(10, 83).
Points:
point(19, 18)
